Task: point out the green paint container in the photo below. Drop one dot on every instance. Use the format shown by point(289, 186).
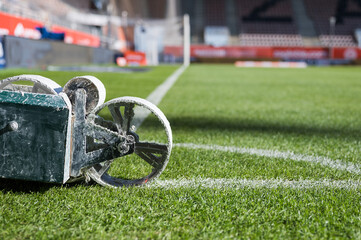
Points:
point(35, 136)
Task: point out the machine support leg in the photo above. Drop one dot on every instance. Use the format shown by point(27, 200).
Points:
point(78, 135)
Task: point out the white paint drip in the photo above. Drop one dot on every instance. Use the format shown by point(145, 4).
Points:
point(324, 161)
point(223, 183)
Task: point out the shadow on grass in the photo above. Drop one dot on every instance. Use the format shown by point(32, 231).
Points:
point(257, 126)
point(22, 186)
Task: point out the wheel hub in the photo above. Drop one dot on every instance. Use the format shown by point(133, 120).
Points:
point(127, 145)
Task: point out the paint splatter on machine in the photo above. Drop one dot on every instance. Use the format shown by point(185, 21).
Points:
point(54, 134)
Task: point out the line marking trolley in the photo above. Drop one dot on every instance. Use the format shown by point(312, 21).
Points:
point(59, 135)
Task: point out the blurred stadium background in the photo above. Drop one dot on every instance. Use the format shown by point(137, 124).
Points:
point(138, 32)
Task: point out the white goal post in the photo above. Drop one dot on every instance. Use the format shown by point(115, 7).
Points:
point(186, 40)
point(154, 36)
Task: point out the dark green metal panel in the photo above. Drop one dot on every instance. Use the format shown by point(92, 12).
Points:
point(36, 151)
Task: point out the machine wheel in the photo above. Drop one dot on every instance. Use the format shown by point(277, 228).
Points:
point(39, 84)
point(95, 91)
point(126, 116)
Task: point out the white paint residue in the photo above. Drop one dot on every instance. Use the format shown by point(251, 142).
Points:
point(224, 183)
point(324, 161)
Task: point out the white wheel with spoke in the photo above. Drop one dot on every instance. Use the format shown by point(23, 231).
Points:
point(38, 84)
point(95, 91)
point(145, 146)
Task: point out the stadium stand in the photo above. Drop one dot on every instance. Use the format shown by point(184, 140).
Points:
point(50, 12)
point(320, 14)
point(348, 19)
point(347, 13)
point(214, 11)
point(267, 23)
point(157, 9)
point(263, 23)
point(337, 41)
point(266, 17)
point(271, 40)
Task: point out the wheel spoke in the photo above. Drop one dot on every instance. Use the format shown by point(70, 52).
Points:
point(128, 117)
point(101, 155)
point(101, 133)
point(152, 153)
point(117, 116)
point(104, 167)
point(3, 85)
point(36, 88)
point(104, 123)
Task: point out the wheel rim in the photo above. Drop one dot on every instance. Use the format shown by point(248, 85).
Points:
point(40, 84)
point(95, 91)
point(149, 157)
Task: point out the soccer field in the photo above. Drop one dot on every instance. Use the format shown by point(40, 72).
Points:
point(258, 153)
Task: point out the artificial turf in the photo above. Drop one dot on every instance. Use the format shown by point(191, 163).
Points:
point(313, 111)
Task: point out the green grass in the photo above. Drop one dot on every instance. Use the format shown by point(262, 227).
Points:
point(316, 110)
point(313, 111)
point(116, 84)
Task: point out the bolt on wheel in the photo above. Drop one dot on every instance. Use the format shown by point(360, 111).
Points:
point(144, 142)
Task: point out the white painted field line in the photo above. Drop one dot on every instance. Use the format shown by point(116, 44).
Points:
point(157, 95)
point(224, 183)
point(324, 161)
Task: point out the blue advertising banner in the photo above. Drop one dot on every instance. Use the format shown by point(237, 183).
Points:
point(2, 54)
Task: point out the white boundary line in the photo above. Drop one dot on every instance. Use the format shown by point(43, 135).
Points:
point(324, 161)
point(223, 183)
point(157, 95)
